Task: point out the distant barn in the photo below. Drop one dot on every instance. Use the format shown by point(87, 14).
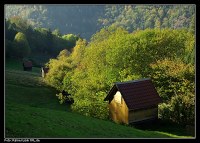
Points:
point(133, 101)
point(44, 71)
point(27, 65)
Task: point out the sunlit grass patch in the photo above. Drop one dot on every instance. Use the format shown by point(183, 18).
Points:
point(23, 78)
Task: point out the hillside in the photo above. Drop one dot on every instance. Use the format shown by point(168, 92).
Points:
point(33, 110)
point(88, 19)
point(75, 19)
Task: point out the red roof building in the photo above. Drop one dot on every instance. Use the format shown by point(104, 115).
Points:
point(133, 101)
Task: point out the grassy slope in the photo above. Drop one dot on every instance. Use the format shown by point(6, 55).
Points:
point(32, 110)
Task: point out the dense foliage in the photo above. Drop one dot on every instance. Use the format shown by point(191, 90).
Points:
point(133, 17)
point(87, 19)
point(42, 42)
point(75, 19)
point(114, 55)
point(175, 82)
point(22, 45)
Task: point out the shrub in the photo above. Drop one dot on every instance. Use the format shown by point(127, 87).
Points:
point(22, 48)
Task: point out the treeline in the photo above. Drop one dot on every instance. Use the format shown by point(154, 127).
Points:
point(88, 19)
point(167, 56)
point(24, 41)
point(134, 17)
point(75, 19)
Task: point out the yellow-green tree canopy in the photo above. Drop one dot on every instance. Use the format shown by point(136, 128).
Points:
point(22, 48)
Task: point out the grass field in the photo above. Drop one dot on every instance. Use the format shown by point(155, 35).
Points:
point(32, 111)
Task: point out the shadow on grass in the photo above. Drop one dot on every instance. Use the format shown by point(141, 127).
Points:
point(163, 126)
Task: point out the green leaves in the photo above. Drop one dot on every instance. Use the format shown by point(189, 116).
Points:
point(57, 70)
point(134, 17)
point(22, 48)
point(61, 98)
point(175, 84)
point(115, 55)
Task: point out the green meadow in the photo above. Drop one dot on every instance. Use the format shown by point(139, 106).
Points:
point(33, 111)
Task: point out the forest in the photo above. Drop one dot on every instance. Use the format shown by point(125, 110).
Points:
point(85, 20)
point(103, 44)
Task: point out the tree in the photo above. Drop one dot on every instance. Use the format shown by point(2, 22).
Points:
point(157, 23)
point(71, 39)
point(22, 48)
point(44, 40)
point(9, 47)
point(20, 24)
point(78, 51)
point(175, 83)
point(141, 17)
point(57, 70)
point(114, 55)
point(56, 32)
point(10, 30)
point(192, 25)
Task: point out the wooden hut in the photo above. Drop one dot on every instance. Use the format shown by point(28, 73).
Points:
point(133, 101)
point(44, 71)
point(27, 65)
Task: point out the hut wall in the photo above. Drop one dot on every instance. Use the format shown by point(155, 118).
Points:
point(118, 112)
point(143, 114)
point(43, 74)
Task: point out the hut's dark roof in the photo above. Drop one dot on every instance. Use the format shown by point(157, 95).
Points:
point(27, 64)
point(137, 93)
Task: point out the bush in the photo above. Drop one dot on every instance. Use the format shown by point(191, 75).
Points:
point(183, 108)
point(88, 105)
point(175, 84)
point(57, 70)
point(61, 98)
point(22, 48)
point(97, 109)
point(164, 111)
